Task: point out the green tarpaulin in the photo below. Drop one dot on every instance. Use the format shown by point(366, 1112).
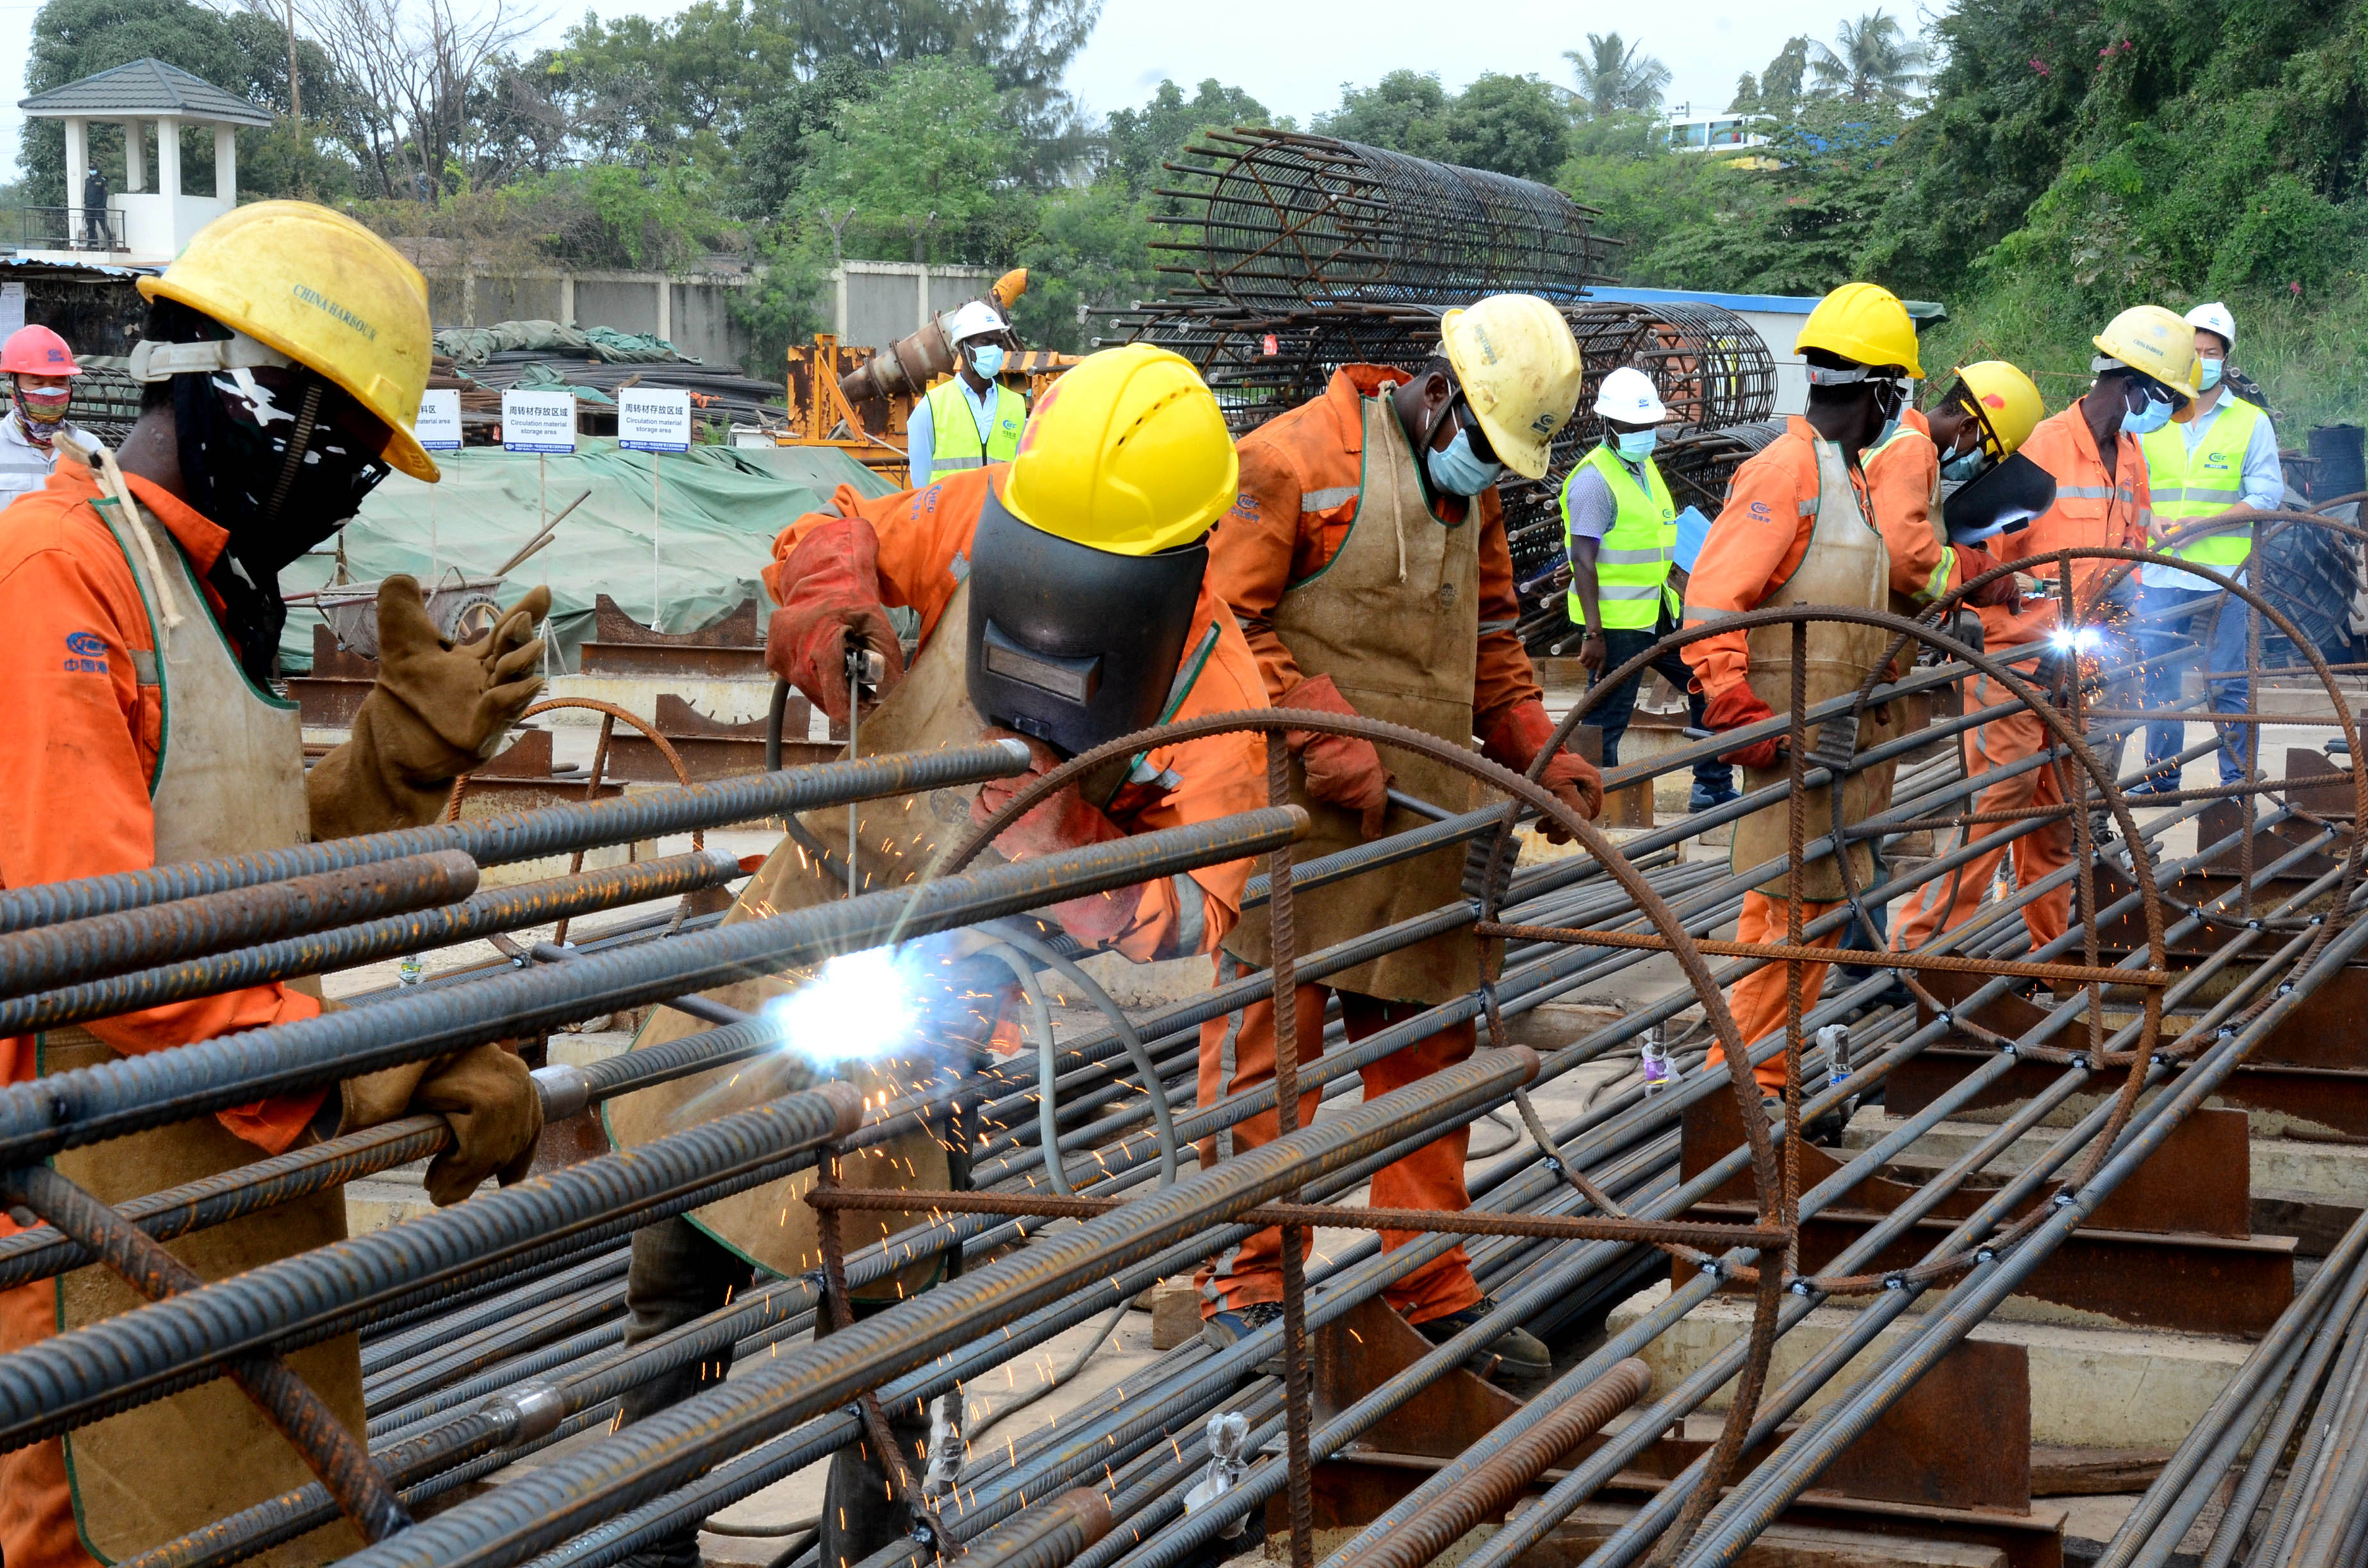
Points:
point(719, 509)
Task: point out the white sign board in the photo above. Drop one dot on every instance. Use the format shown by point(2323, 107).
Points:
point(438, 426)
point(537, 422)
point(12, 306)
point(651, 419)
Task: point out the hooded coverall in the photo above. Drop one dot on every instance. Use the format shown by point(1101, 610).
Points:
point(2092, 508)
point(1302, 479)
point(74, 802)
point(1756, 544)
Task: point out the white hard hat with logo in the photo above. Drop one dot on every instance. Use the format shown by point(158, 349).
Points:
point(2214, 317)
point(977, 319)
point(1628, 395)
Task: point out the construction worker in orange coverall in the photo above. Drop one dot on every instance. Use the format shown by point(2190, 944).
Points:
point(140, 644)
point(1088, 548)
point(2145, 366)
point(1349, 559)
point(1799, 528)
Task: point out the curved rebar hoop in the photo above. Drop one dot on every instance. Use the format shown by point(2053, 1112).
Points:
point(1766, 1180)
point(2129, 560)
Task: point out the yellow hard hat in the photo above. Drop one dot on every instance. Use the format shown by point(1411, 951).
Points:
point(319, 287)
point(2153, 342)
point(1518, 367)
point(1865, 323)
point(2009, 403)
point(1126, 453)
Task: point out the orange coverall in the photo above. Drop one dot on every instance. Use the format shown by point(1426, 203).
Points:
point(2092, 508)
point(1900, 477)
point(925, 535)
point(73, 802)
point(1299, 490)
point(1754, 545)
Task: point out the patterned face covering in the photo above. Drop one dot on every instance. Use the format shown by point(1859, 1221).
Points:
point(41, 410)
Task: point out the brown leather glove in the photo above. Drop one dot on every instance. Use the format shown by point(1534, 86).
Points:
point(1342, 770)
point(485, 1094)
point(435, 712)
point(1515, 741)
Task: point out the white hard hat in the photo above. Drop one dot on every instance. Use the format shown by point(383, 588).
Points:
point(1628, 395)
point(2214, 317)
point(977, 319)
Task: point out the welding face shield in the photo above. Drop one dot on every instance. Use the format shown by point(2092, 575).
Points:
point(2001, 502)
point(1071, 644)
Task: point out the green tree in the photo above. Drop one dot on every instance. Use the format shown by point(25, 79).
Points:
point(1514, 125)
point(1140, 140)
point(774, 147)
point(1616, 76)
point(1406, 111)
point(931, 154)
point(1877, 60)
point(642, 87)
point(1092, 251)
point(1622, 165)
point(1780, 85)
point(1747, 95)
point(1801, 226)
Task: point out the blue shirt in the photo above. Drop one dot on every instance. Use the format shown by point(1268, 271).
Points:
point(2265, 487)
point(921, 429)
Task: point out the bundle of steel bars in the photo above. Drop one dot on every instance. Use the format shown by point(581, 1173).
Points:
point(2204, 923)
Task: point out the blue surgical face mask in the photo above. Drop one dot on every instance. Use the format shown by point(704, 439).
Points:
point(2147, 421)
point(1965, 467)
point(1457, 470)
point(986, 359)
point(2208, 372)
point(1637, 445)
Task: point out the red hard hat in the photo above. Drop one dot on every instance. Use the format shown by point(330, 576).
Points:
point(38, 351)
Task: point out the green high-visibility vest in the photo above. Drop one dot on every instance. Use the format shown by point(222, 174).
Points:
point(1631, 564)
point(2205, 482)
point(956, 428)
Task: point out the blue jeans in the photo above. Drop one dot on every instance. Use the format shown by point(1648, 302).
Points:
point(1611, 713)
point(2226, 633)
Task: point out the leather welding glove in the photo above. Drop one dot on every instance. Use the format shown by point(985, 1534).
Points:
point(1342, 770)
point(831, 597)
point(484, 1094)
point(1972, 562)
point(1066, 821)
point(1515, 743)
point(435, 712)
point(1733, 707)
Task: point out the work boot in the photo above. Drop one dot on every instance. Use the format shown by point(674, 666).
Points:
point(1703, 798)
point(1518, 1362)
point(1223, 1330)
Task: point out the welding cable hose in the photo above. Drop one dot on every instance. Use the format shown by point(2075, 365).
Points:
point(529, 835)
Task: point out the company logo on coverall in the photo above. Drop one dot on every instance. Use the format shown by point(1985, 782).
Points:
point(86, 654)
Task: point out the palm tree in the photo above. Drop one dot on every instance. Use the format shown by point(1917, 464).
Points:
point(1877, 60)
point(1615, 75)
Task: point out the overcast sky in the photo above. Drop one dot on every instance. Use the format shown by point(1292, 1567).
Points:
point(1299, 54)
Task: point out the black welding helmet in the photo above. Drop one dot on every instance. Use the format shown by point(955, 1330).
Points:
point(1071, 644)
point(1090, 548)
point(2001, 501)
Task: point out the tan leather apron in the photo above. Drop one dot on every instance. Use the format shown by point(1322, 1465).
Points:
point(769, 1225)
point(230, 779)
point(1845, 565)
point(1395, 620)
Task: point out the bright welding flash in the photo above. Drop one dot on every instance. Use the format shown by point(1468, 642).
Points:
point(857, 1007)
point(2080, 640)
